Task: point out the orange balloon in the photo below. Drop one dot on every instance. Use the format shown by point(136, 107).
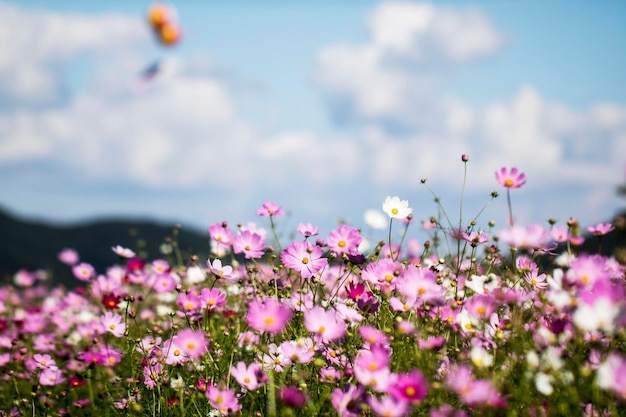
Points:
point(169, 34)
point(159, 15)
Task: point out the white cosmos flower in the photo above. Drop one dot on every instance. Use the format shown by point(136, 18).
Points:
point(396, 208)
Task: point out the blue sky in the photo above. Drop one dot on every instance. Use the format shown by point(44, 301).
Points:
point(324, 107)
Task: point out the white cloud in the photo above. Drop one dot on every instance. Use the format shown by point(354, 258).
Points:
point(38, 45)
point(392, 78)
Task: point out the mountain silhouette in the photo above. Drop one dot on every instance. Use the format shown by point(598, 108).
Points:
point(34, 245)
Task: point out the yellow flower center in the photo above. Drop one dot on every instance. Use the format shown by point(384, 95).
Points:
point(394, 211)
point(409, 391)
point(342, 243)
point(480, 310)
point(305, 260)
point(508, 183)
point(269, 321)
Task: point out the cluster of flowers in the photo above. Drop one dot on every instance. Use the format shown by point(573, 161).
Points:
point(325, 327)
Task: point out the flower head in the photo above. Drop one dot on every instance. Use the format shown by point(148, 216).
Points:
point(268, 315)
point(510, 178)
point(396, 208)
point(270, 209)
point(304, 258)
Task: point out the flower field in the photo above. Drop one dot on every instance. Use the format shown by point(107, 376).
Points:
point(471, 322)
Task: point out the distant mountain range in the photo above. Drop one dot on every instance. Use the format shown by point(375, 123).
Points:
point(34, 245)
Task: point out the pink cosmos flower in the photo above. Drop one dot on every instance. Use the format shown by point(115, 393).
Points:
point(213, 298)
point(190, 303)
point(350, 401)
point(251, 244)
point(304, 258)
point(411, 387)
point(532, 237)
point(324, 323)
point(510, 178)
point(113, 323)
point(373, 360)
point(307, 229)
point(51, 376)
point(270, 209)
point(298, 352)
point(224, 401)
point(164, 283)
point(600, 229)
point(123, 252)
point(251, 377)
point(193, 342)
point(475, 238)
point(152, 374)
point(344, 240)
point(68, 256)
point(219, 270)
point(388, 406)
point(268, 315)
point(44, 361)
point(84, 271)
point(220, 233)
point(611, 375)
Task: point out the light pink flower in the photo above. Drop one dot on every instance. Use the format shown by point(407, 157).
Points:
point(68, 256)
point(213, 298)
point(388, 406)
point(123, 252)
point(193, 342)
point(113, 323)
point(304, 258)
point(268, 315)
point(251, 244)
point(307, 229)
point(600, 229)
point(270, 209)
point(251, 377)
point(219, 270)
point(344, 240)
point(324, 323)
point(224, 401)
point(510, 178)
point(84, 271)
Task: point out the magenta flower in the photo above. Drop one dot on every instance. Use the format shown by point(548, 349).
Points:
point(304, 258)
point(270, 209)
point(411, 387)
point(344, 240)
point(268, 315)
point(251, 244)
point(600, 229)
point(324, 323)
point(510, 178)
